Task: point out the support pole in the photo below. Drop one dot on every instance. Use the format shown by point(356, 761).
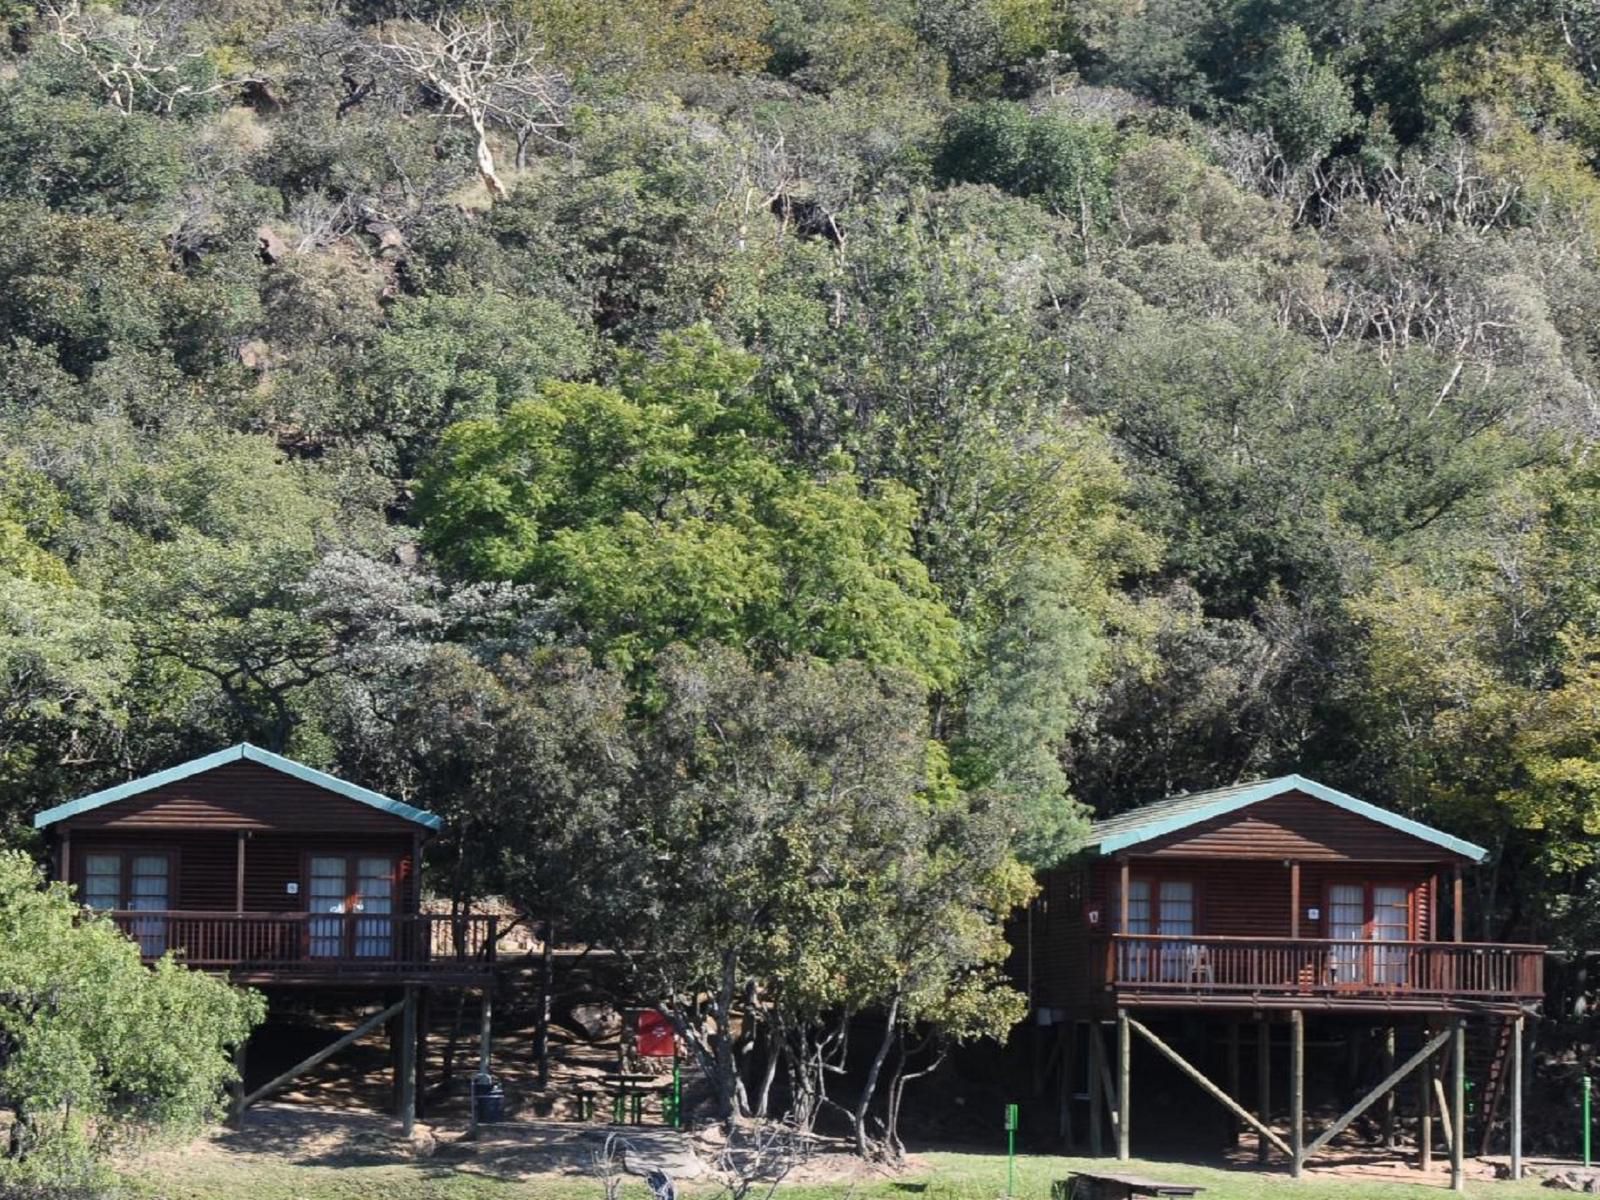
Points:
point(1124, 1072)
point(1294, 899)
point(1234, 1126)
point(1458, 1100)
point(1389, 1096)
point(1097, 1115)
point(481, 1078)
point(321, 1056)
point(1425, 1112)
point(236, 1088)
point(1516, 1099)
point(408, 1062)
point(238, 874)
point(1263, 1087)
point(1068, 1084)
point(1124, 882)
point(1458, 917)
point(485, 1031)
point(1206, 1085)
point(1297, 1090)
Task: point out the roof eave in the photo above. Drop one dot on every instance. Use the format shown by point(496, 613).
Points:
point(1458, 846)
point(242, 751)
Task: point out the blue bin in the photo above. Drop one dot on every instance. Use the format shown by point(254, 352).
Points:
point(488, 1100)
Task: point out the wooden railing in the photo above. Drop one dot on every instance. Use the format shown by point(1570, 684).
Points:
point(331, 942)
point(1228, 966)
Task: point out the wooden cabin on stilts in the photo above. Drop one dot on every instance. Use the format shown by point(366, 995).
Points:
point(259, 868)
point(1277, 921)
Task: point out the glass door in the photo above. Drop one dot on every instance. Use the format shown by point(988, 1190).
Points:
point(1347, 923)
point(1175, 918)
point(148, 891)
point(1391, 922)
point(116, 881)
point(374, 897)
point(328, 893)
point(1136, 955)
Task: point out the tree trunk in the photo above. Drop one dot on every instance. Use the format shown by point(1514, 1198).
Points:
point(870, 1085)
point(547, 983)
point(722, 1044)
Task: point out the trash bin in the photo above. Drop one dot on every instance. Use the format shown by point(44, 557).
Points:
point(488, 1100)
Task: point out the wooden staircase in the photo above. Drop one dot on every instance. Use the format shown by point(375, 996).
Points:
point(1489, 1063)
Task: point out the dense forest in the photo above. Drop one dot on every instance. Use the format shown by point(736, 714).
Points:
point(768, 470)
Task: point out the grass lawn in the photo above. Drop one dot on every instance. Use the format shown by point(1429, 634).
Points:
point(946, 1176)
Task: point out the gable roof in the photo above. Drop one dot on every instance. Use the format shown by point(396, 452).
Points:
point(1156, 820)
point(243, 752)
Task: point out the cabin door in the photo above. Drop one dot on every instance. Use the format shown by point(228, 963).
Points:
point(132, 882)
point(1164, 907)
point(1369, 913)
point(354, 895)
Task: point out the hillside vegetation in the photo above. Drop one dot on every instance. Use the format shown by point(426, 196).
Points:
point(767, 470)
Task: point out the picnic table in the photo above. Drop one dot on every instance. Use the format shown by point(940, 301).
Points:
point(1093, 1185)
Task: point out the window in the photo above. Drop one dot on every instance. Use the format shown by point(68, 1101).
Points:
point(356, 892)
point(132, 881)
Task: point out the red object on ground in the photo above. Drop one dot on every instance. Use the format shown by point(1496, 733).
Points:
point(655, 1038)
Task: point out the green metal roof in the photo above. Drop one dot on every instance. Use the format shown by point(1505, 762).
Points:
point(243, 752)
point(1156, 820)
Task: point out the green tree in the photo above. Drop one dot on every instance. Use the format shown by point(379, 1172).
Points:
point(97, 1050)
point(661, 512)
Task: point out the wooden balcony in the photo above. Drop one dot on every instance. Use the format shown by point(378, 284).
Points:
point(1229, 972)
point(327, 948)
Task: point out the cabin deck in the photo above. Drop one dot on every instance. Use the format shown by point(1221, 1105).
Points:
point(1152, 971)
point(319, 948)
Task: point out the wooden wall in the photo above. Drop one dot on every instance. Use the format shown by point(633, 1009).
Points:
point(205, 866)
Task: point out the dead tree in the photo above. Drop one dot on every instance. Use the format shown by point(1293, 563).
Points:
point(135, 62)
point(487, 74)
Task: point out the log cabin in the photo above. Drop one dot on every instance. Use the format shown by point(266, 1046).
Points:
point(251, 865)
point(248, 863)
point(1264, 904)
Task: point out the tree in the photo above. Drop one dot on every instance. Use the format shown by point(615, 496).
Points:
point(97, 1050)
point(793, 853)
point(661, 512)
point(488, 73)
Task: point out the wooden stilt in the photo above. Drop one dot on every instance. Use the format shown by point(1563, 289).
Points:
point(1297, 1091)
point(424, 1019)
point(408, 1062)
point(1068, 1084)
point(1206, 1085)
point(1264, 1085)
point(1425, 1111)
point(1235, 1126)
point(485, 1031)
point(236, 1089)
point(1458, 1107)
point(1124, 1072)
point(1516, 1098)
point(1389, 1096)
point(1097, 1066)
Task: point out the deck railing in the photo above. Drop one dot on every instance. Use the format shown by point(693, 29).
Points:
point(332, 942)
point(1149, 963)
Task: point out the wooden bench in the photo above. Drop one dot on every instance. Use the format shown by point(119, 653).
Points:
point(1090, 1185)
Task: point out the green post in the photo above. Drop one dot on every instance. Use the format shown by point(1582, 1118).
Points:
point(1588, 1086)
point(1011, 1149)
point(677, 1093)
